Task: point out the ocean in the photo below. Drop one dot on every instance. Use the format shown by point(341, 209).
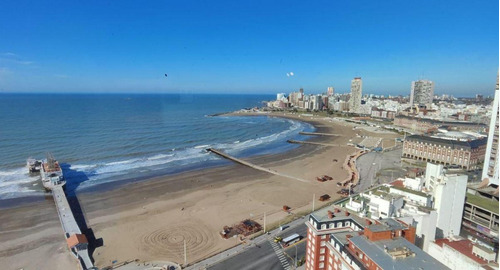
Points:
point(107, 138)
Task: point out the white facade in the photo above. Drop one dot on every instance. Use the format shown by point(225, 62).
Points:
point(354, 205)
point(422, 92)
point(317, 102)
point(280, 96)
point(490, 168)
point(384, 206)
point(414, 183)
point(418, 198)
point(432, 171)
point(356, 94)
point(424, 222)
point(448, 191)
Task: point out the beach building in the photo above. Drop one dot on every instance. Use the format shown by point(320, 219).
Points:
point(356, 94)
point(427, 125)
point(337, 239)
point(317, 102)
point(458, 253)
point(341, 106)
point(490, 168)
point(466, 154)
point(422, 92)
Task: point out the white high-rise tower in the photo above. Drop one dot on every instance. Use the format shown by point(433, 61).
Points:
point(490, 168)
point(356, 94)
point(422, 92)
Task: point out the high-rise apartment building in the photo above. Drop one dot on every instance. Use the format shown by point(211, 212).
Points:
point(422, 92)
point(448, 192)
point(356, 94)
point(330, 91)
point(490, 168)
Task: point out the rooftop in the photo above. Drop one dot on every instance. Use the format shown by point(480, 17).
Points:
point(454, 123)
point(322, 215)
point(387, 224)
point(463, 246)
point(419, 193)
point(485, 203)
point(446, 142)
point(376, 251)
point(343, 235)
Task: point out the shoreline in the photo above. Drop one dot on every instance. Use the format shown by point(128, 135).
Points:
point(193, 205)
point(124, 180)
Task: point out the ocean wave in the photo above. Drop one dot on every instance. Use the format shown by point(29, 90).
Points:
point(16, 182)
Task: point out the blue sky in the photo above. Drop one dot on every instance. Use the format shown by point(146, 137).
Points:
point(247, 46)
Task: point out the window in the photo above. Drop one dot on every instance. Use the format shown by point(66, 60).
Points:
point(321, 258)
point(321, 251)
point(321, 265)
point(323, 236)
point(323, 243)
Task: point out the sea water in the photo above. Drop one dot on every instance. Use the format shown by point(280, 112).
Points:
point(103, 138)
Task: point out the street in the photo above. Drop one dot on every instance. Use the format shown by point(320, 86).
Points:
point(265, 256)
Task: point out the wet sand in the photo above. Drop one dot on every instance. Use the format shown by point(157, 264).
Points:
point(150, 220)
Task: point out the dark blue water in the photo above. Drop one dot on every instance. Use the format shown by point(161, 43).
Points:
point(104, 138)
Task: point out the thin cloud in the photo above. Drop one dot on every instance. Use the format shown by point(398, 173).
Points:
point(9, 54)
point(12, 58)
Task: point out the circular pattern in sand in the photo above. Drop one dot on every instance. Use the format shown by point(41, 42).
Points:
point(169, 241)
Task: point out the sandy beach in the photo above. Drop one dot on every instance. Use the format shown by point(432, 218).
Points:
point(150, 220)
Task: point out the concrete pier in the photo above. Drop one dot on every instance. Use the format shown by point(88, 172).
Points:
point(253, 166)
point(77, 242)
point(318, 134)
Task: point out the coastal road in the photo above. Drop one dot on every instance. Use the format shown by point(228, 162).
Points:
point(267, 255)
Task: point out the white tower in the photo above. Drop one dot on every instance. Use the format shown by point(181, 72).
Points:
point(422, 92)
point(356, 94)
point(490, 168)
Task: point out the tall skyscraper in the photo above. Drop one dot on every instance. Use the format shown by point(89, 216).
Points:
point(330, 91)
point(490, 168)
point(422, 92)
point(356, 93)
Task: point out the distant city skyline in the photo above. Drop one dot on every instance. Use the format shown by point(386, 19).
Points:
point(248, 47)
